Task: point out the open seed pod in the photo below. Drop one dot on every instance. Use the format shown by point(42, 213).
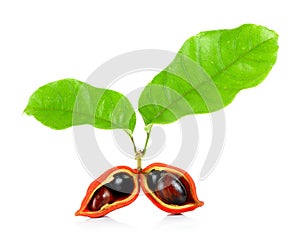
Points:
point(170, 188)
point(116, 188)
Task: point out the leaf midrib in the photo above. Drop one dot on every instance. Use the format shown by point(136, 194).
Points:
point(78, 113)
point(218, 73)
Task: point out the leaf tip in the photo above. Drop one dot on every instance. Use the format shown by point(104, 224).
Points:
point(26, 110)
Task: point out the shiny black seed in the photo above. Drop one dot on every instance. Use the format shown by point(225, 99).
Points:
point(153, 177)
point(122, 183)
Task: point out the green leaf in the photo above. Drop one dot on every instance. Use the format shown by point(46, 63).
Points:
point(69, 102)
point(208, 72)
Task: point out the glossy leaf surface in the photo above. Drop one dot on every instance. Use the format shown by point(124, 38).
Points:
point(207, 73)
point(69, 102)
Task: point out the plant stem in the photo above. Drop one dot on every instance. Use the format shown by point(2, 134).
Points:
point(138, 158)
point(139, 154)
point(147, 140)
point(134, 146)
point(146, 143)
point(139, 164)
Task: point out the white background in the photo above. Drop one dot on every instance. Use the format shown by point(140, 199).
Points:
point(253, 195)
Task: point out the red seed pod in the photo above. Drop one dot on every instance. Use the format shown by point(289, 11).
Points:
point(170, 188)
point(116, 188)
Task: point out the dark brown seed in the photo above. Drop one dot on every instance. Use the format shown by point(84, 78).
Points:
point(122, 183)
point(153, 177)
point(101, 197)
point(171, 190)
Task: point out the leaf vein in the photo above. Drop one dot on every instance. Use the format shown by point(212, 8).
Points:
point(218, 73)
